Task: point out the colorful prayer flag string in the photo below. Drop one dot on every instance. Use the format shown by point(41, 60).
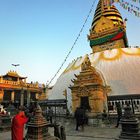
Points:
point(137, 1)
point(130, 7)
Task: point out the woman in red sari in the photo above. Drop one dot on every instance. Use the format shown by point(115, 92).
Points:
point(17, 127)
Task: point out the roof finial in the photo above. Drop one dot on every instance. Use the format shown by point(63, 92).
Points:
point(105, 3)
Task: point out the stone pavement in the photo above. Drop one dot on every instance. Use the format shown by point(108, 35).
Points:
point(92, 132)
point(89, 133)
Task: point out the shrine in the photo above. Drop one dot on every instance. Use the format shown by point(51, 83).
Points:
point(90, 89)
point(37, 127)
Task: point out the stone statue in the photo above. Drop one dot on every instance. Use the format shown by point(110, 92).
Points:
point(128, 114)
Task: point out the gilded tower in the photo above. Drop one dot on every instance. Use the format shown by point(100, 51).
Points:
point(108, 30)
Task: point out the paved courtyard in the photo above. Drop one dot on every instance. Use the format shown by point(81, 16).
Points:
point(90, 132)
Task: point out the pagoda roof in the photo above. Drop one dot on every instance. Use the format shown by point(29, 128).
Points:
point(13, 74)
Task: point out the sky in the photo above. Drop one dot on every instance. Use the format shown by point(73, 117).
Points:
point(38, 34)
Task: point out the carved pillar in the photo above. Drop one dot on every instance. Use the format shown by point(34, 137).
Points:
point(18, 80)
point(22, 97)
point(28, 97)
point(36, 95)
point(12, 96)
point(96, 102)
point(1, 79)
point(1, 94)
point(75, 101)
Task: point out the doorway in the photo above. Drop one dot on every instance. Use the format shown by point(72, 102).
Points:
point(85, 102)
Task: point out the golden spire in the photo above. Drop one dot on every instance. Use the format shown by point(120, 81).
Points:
point(104, 3)
point(107, 29)
point(105, 9)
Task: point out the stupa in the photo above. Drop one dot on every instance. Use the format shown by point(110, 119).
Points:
point(37, 127)
point(117, 65)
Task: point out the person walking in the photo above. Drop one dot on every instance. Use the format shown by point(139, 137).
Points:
point(17, 128)
point(50, 114)
point(119, 113)
point(80, 118)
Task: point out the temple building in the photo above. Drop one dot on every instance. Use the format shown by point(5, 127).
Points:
point(109, 74)
point(15, 89)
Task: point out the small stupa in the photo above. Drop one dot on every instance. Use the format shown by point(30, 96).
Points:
point(37, 127)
